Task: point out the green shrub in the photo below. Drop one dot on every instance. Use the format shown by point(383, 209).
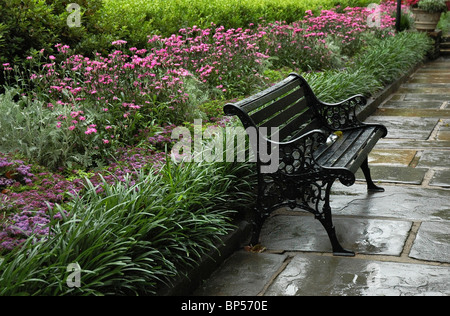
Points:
point(444, 23)
point(28, 24)
point(166, 17)
point(389, 58)
point(433, 5)
point(379, 64)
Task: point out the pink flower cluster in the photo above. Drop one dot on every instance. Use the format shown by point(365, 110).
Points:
point(154, 83)
point(216, 56)
point(307, 43)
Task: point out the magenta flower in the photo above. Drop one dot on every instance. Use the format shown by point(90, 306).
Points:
point(119, 42)
point(90, 130)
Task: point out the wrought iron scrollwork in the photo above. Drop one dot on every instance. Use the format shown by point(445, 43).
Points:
point(299, 180)
point(342, 115)
point(297, 156)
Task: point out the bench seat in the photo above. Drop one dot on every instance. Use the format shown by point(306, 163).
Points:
point(350, 149)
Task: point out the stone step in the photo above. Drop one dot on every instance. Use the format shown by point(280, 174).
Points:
point(445, 46)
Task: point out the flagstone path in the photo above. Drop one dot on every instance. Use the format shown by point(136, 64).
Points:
point(401, 236)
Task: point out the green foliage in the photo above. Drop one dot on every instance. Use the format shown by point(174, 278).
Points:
point(444, 23)
point(29, 23)
point(432, 5)
point(379, 64)
point(166, 17)
point(388, 59)
point(129, 237)
point(33, 129)
point(40, 24)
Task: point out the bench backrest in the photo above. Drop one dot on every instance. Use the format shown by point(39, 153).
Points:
point(287, 105)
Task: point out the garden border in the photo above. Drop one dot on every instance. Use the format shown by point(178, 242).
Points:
point(185, 284)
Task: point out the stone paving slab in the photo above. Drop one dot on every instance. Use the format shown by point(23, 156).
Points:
point(390, 174)
point(406, 127)
point(419, 89)
point(313, 275)
point(432, 242)
point(444, 135)
point(243, 274)
point(413, 105)
point(400, 202)
point(427, 85)
point(444, 131)
point(405, 112)
point(412, 144)
point(423, 78)
point(441, 178)
point(304, 233)
point(411, 97)
point(435, 68)
point(439, 159)
point(426, 97)
point(393, 157)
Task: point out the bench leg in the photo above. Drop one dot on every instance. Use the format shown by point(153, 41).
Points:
point(327, 222)
point(370, 185)
point(257, 223)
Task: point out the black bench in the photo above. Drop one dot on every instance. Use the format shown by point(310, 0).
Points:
point(318, 143)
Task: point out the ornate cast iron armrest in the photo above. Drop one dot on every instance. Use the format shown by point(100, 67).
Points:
point(341, 116)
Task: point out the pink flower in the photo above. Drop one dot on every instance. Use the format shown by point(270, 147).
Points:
point(105, 141)
point(90, 130)
point(51, 57)
point(58, 124)
point(72, 127)
point(119, 42)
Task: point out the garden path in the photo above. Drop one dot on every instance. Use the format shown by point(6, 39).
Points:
point(401, 236)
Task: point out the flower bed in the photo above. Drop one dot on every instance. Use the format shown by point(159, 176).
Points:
point(98, 127)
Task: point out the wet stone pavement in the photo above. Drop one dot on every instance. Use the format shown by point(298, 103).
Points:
point(401, 236)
